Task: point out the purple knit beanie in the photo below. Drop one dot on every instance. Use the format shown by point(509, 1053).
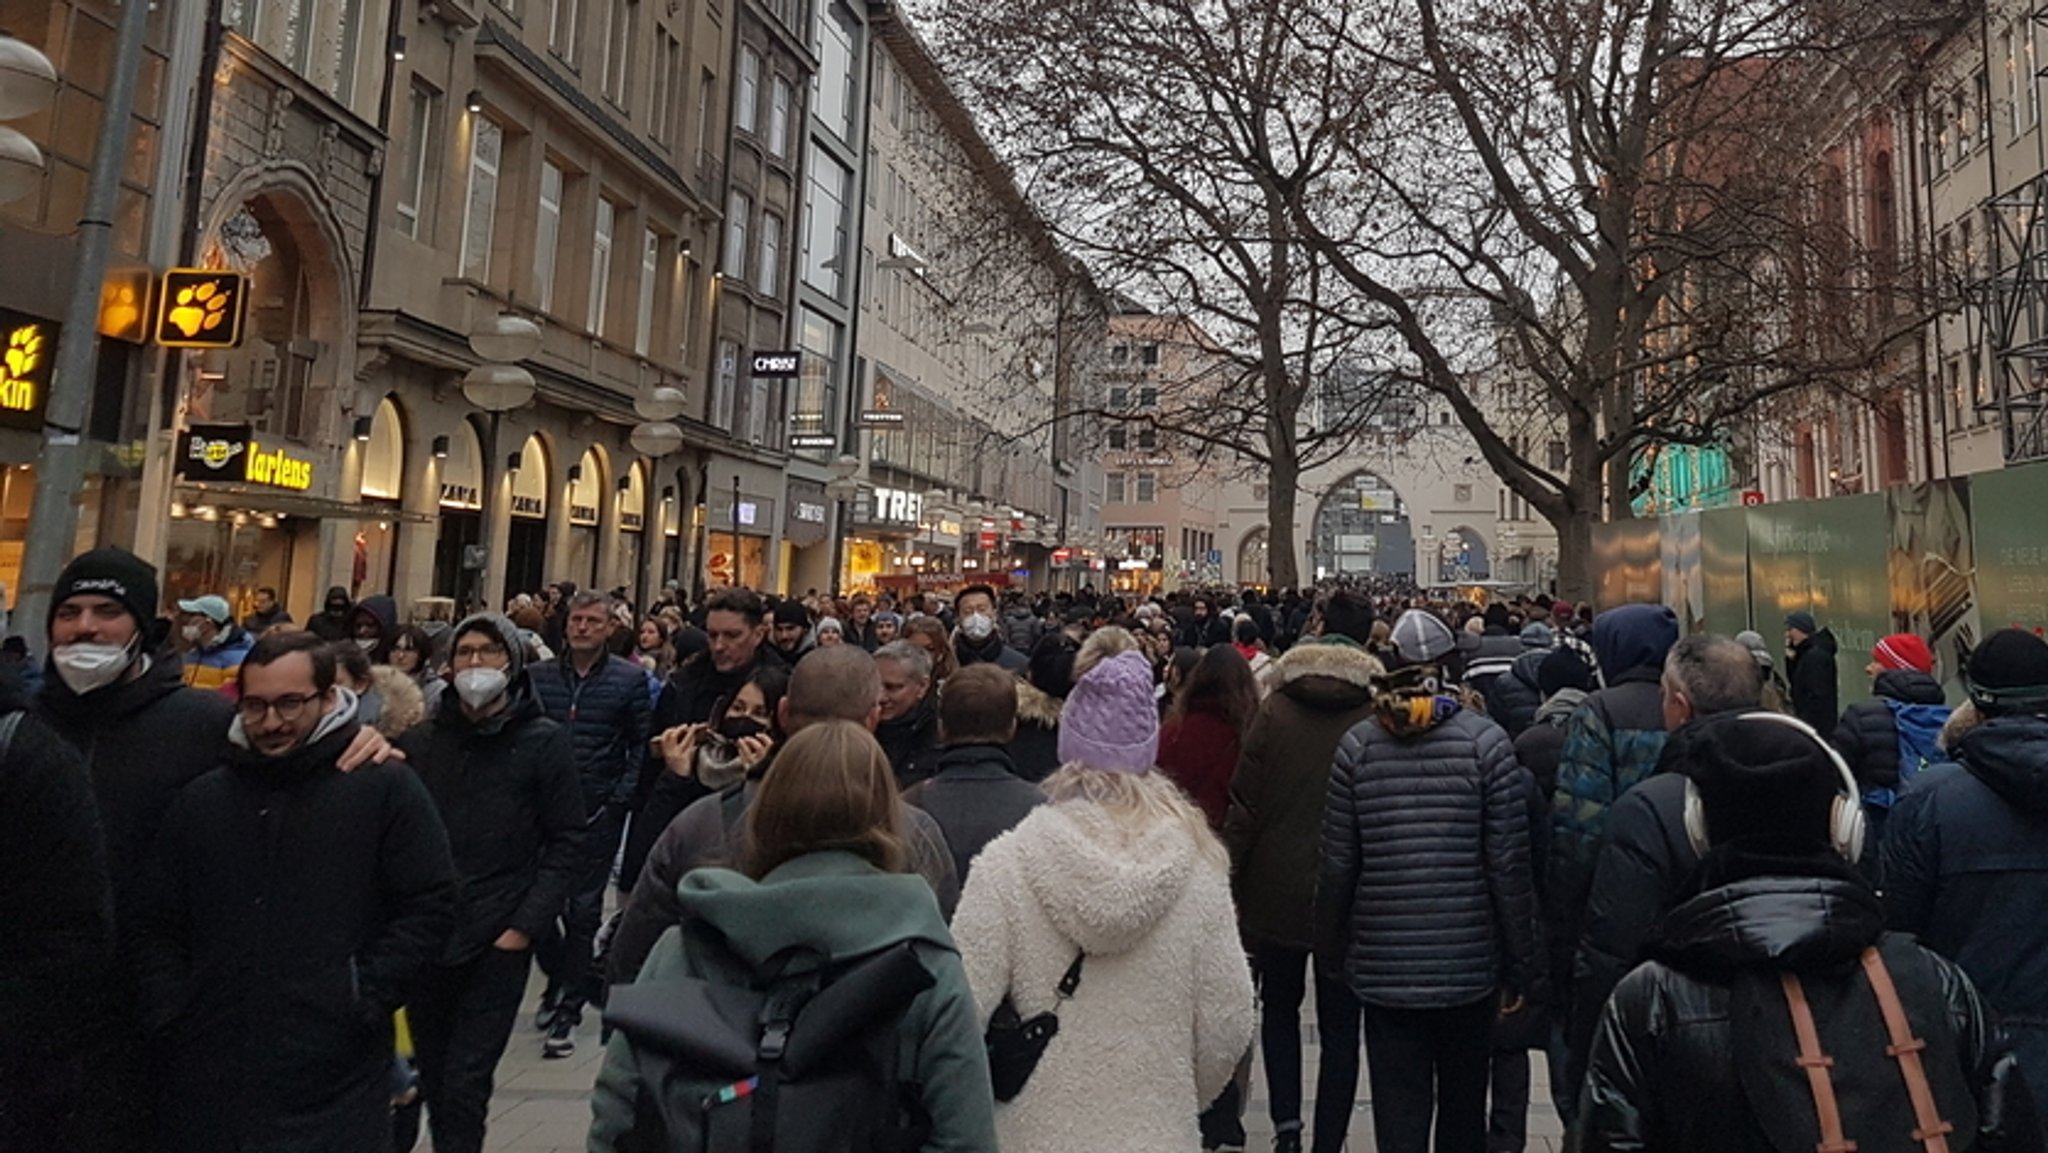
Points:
point(1111, 720)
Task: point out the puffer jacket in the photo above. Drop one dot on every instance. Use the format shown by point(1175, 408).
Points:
point(1513, 697)
point(1021, 629)
point(1274, 825)
point(1816, 691)
point(216, 668)
point(1035, 750)
point(606, 714)
point(1868, 734)
point(1426, 889)
point(1662, 1077)
point(1964, 856)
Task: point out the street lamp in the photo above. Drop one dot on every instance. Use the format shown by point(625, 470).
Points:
point(843, 488)
point(27, 84)
point(497, 386)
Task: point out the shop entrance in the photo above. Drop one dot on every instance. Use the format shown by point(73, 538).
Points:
point(460, 528)
point(526, 556)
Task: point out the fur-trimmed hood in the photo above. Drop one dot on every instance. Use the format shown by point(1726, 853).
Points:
point(404, 704)
point(1036, 706)
point(1328, 676)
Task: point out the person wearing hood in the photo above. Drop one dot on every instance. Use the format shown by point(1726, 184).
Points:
point(215, 645)
point(1775, 698)
point(977, 637)
point(1645, 859)
point(1041, 694)
point(1120, 870)
point(822, 875)
point(1965, 861)
point(1425, 899)
point(1761, 1021)
point(1320, 688)
point(909, 728)
point(144, 736)
point(1611, 743)
point(503, 778)
point(373, 625)
point(1514, 697)
point(1888, 739)
point(1810, 668)
point(1021, 626)
point(289, 910)
point(331, 623)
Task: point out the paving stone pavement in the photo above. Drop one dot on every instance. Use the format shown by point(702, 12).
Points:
point(543, 1106)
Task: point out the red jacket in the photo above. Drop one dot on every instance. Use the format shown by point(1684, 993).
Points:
point(1199, 751)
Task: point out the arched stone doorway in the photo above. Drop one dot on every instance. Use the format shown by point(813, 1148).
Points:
point(461, 456)
point(1361, 530)
point(526, 538)
point(587, 489)
point(381, 491)
point(1254, 562)
point(1460, 555)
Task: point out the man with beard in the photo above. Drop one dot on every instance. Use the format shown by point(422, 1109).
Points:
point(792, 631)
point(977, 639)
point(288, 911)
point(504, 780)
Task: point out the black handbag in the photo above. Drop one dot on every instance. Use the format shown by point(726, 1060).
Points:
point(1015, 1045)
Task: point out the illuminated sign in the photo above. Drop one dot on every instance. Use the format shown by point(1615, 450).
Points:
point(896, 506)
point(25, 369)
point(528, 506)
point(124, 304)
point(230, 452)
point(778, 364)
point(201, 308)
point(804, 440)
point(809, 512)
point(881, 418)
point(277, 468)
point(460, 495)
point(583, 514)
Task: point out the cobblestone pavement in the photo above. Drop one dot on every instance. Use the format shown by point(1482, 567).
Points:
point(543, 1106)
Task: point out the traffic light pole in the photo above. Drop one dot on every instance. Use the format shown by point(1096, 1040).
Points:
point(60, 468)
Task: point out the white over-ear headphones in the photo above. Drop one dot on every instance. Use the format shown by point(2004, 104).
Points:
point(1846, 824)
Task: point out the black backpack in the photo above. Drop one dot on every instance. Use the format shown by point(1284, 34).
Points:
point(796, 1063)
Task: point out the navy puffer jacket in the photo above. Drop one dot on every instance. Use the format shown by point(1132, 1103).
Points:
point(606, 714)
point(1426, 890)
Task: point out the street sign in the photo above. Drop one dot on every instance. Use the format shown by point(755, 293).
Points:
point(988, 540)
point(201, 308)
point(1751, 498)
point(1215, 556)
point(778, 364)
point(880, 418)
point(1061, 556)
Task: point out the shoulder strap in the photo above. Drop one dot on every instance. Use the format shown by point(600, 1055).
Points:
point(1816, 1063)
point(1905, 1049)
point(8, 725)
point(1072, 979)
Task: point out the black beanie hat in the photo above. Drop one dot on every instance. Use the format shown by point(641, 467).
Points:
point(1563, 669)
point(1762, 778)
point(2009, 672)
point(109, 572)
point(792, 613)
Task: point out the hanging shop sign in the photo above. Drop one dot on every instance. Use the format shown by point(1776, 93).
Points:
point(881, 418)
point(25, 366)
point(231, 452)
point(778, 364)
point(897, 507)
point(807, 440)
point(201, 308)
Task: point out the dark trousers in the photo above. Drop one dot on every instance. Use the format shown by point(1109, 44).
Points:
point(461, 1022)
point(566, 958)
point(1283, 976)
point(1507, 1119)
point(1429, 1063)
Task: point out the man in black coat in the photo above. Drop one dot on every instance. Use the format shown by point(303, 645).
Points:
point(1810, 669)
point(504, 781)
point(909, 728)
point(331, 622)
point(290, 910)
point(604, 703)
point(59, 931)
point(976, 795)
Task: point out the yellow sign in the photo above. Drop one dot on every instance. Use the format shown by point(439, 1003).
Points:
point(27, 348)
point(201, 308)
point(124, 304)
point(277, 468)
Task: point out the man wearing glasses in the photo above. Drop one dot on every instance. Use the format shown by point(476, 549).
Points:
point(288, 911)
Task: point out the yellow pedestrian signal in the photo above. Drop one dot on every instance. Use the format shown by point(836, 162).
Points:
point(201, 308)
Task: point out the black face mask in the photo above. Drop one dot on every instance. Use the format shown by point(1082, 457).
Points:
point(736, 728)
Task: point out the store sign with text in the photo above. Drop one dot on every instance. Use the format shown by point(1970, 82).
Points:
point(231, 452)
point(898, 506)
point(27, 358)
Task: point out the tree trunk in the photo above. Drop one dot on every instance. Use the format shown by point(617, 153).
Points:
point(1576, 579)
point(1283, 555)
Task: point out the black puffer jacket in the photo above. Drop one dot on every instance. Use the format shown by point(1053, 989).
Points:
point(607, 716)
point(1965, 852)
point(1816, 693)
point(507, 791)
point(1513, 697)
point(1425, 882)
point(1695, 1052)
point(1868, 736)
point(1275, 824)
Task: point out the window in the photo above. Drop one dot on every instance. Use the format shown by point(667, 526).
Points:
point(746, 101)
point(824, 243)
point(486, 147)
point(1148, 355)
point(768, 277)
point(2030, 75)
point(668, 77)
point(738, 213)
point(1148, 437)
point(722, 388)
point(1148, 487)
point(643, 320)
point(1119, 353)
point(1113, 488)
point(1959, 119)
point(422, 118)
point(1553, 456)
point(548, 235)
point(614, 76)
point(1119, 397)
point(1983, 109)
point(1937, 135)
point(1148, 397)
point(562, 18)
point(2008, 53)
point(601, 266)
point(1119, 437)
point(778, 118)
point(833, 86)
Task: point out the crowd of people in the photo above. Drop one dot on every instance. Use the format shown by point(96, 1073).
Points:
point(1044, 869)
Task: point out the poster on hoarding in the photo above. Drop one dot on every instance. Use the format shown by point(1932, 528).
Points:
point(1829, 558)
point(2010, 550)
point(1933, 573)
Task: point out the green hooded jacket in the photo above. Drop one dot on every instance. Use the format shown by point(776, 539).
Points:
point(840, 905)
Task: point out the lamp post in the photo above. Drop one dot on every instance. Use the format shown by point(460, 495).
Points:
point(843, 488)
point(497, 386)
point(655, 437)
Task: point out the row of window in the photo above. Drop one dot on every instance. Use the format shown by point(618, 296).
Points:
point(746, 102)
point(1961, 121)
point(1130, 488)
point(1144, 354)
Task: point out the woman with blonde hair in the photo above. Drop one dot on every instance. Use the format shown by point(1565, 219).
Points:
point(822, 880)
point(1110, 908)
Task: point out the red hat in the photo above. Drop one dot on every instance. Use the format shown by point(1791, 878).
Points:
point(1902, 651)
point(1563, 610)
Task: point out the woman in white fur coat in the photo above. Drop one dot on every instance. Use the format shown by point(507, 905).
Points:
point(1121, 867)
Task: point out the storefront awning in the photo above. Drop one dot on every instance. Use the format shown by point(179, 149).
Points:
point(254, 499)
